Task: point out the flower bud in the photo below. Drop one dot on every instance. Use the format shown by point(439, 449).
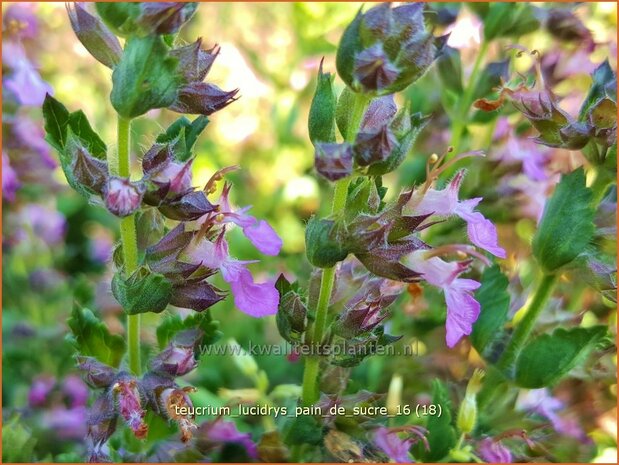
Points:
point(384, 50)
point(394, 395)
point(94, 35)
point(202, 98)
point(492, 451)
point(321, 120)
point(165, 17)
point(565, 26)
point(467, 415)
point(291, 317)
point(197, 296)
point(175, 360)
point(333, 161)
point(194, 62)
point(189, 207)
point(244, 361)
point(95, 373)
point(374, 146)
point(101, 423)
point(87, 170)
point(121, 196)
point(324, 244)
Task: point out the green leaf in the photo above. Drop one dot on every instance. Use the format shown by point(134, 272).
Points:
point(324, 242)
point(567, 224)
point(17, 442)
point(119, 16)
point(145, 78)
point(490, 78)
point(304, 429)
point(509, 20)
point(56, 122)
point(91, 337)
point(343, 110)
point(441, 433)
point(186, 134)
point(142, 292)
point(449, 67)
point(321, 121)
point(81, 128)
point(604, 85)
point(549, 357)
point(494, 301)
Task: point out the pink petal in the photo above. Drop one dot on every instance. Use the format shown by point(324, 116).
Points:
point(256, 300)
point(462, 310)
point(483, 234)
point(264, 237)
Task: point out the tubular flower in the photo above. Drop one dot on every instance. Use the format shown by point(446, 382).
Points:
point(130, 407)
point(462, 308)
point(445, 202)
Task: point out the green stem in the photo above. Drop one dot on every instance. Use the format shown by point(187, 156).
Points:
point(119, 165)
point(310, 392)
point(525, 326)
point(462, 113)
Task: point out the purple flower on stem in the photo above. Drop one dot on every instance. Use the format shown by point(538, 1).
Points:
point(493, 451)
point(255, 299)
point(20, 21)
point(445, 202)
point(76, 391)
point(47, 224)
point(222, 431)
point(66, 423)
point(40, 390)
point(259, 232)
point(540, 401)
point(396, 448)
point(10, 182)
point(24, 81)
point(130, 407)
point(462, 308)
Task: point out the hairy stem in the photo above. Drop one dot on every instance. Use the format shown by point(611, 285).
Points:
point(119, 166)
point(310, 392)
point(525, 326)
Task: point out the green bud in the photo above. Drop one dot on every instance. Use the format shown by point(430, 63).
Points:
point(324, 243)
point(450, 69)
point(244, 361)
point(467, 415)
point(321, 121)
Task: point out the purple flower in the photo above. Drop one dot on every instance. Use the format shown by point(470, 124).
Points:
point(255, 299)
point(31, 135)
point(45, 223)
point(176, 175)
point(494, 452)
point(396, 448)
point(24, 81)
point(540, 401)
point(20, 21)
point(226, 432)
point(76, 391)
point(66, 423)
point(462, 308)
point(175, 360)
point(10, 182)
point(445, 202)
point(40, 390)
point(130, 407)
point(259, 232)
point(522, 150)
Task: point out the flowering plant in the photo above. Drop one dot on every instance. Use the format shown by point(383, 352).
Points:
point(467, 226)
